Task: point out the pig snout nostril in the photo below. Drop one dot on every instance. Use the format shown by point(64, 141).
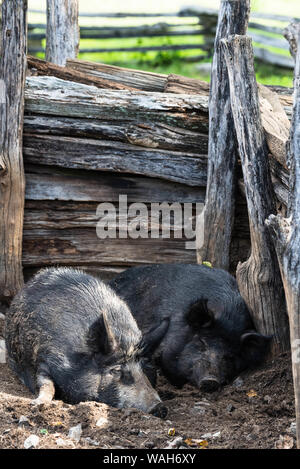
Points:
point(160, 411)
point(209, 385)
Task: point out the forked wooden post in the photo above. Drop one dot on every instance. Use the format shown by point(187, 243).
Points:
point(259, 277)
point(62, 37)
point(12, 81)
point(222, 151)
point(286, 233)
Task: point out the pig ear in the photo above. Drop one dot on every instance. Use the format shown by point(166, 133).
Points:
point(97, 338)
point(122, 332)
point(255, 347)
point(152, 339)
point(200, 315)
point(111, 344)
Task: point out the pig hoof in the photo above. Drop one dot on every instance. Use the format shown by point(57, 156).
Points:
point(160, 411)
point(37, 402)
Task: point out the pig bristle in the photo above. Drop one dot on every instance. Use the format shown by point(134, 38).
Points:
point(122, 326)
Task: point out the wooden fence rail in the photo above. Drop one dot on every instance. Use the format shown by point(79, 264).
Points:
point(200, 22)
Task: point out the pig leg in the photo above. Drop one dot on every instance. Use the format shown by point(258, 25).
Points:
point(45, 387)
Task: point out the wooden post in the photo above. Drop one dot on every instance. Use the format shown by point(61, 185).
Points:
point(259, 277)
point(12, 81)
point(291, 34)
point(62, 31)
point(222, 150)
point(286, 235)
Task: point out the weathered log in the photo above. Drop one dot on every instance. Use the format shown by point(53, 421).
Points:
point(275, 123)
point(269, 41)
point(259, 277)
point(148, 81)
point(145, 81)
point(178, 84)
point(44, 183)
point(52, 96)
point(280, 191)
point(279, 172)
point(102, 155)
point(153, 129)
point(264, 27)
point(149, 135)
point(52, 247)
point(62, 31)
point(272, 58)
point(222, 150)
point(56, 215)
point(43, 68)
point(12, 82)
point(282, 195)
point(53, 207)
point(125, 33)
point(286, 235)
point(291, 32)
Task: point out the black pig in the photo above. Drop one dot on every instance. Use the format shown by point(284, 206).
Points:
point(69, 334)
point(211, 337)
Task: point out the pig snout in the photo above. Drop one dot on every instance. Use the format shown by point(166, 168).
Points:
point(207, 373)
point(138, 392)
point(209, 384)
point(159, 410)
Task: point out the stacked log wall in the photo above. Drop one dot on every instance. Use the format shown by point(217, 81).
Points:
point(84, 146)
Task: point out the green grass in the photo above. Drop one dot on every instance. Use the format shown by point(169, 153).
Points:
point(167, 62)
point(171, 61)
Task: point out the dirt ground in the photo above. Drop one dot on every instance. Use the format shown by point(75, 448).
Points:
point(256, 411)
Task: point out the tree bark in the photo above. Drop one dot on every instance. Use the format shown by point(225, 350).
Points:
point(52, 96)
point(43, 68)
point(62, 31)
point(145, 81)
point(102, 155)
point(12, 83)
point(259, 277)
point(286, 233)
point(291, 33)
point(148, 135)
point(222, 150)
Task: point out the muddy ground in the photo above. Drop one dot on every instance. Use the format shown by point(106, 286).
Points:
point(256, 411)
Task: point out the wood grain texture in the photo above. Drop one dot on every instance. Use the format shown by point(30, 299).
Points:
point(64, 247)
point(222, 150)
point(52, 96)
point(145, 81)
point(259, 277)
point(62, 31)
point(150, 135)
point(43, 68)
point(275, 123)
point(179, 84)
point(103, 155)
point(50, 183)
point(12, 82)
point(286, 232)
